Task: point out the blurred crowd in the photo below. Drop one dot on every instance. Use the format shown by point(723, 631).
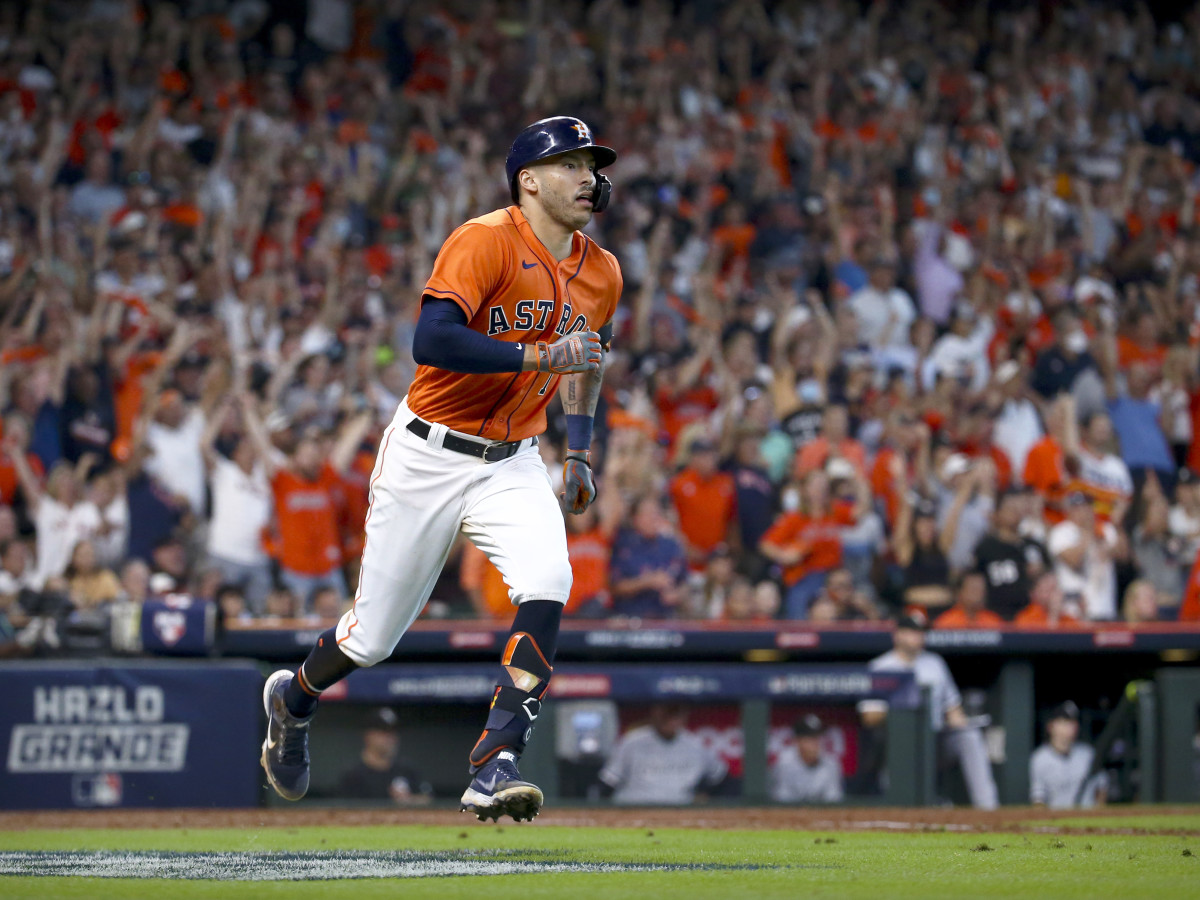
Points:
point(911, 316)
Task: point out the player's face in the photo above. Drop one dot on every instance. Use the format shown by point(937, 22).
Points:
point(565, 185)
point(809, 749)
point(1063, 732)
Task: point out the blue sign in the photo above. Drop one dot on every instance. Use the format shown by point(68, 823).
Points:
point(832, 682)
point(130, 735)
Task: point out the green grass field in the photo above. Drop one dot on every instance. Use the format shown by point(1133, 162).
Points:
point(693, 863)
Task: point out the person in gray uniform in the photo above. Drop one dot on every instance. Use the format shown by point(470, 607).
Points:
point(662, 763)
point(959, 738)
point(804, 772)
point(1060, 771)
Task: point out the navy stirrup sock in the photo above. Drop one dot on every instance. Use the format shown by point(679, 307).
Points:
point(325, 666)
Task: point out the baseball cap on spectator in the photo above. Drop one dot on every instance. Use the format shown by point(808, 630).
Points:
point(915, 621)
point(1089, 289)
point(1065, 710)
point(1077, 498)
point(955, 464)
point(808, 725)
point(924, 509)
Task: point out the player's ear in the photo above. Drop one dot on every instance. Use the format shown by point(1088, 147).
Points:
point(526, 179)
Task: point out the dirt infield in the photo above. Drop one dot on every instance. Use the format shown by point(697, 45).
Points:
point(1013, 819)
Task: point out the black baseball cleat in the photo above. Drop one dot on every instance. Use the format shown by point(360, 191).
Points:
point(285, 751)
point(497, 790)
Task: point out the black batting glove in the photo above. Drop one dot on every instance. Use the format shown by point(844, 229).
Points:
point(579, 486)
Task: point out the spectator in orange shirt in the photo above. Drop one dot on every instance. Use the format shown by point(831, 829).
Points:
point(1189, 609)
point(1142, 344)
point(969, 610)
point(1045, 466)
point(308, 495)
point(903, 459)
point(483, 583)
point(16, 435)
point(589, 547)
point(706, 503)
point(834, 440)
point(1046, 604)
point(807, 543)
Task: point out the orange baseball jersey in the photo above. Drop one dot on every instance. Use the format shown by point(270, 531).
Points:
point(512, 289)
point(306, 516)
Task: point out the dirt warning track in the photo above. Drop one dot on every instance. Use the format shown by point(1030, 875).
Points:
point(1012, 819)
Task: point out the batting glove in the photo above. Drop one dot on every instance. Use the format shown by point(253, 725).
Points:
point(580, 488)
point(578, 352)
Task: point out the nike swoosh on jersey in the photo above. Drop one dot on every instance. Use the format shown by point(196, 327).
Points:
point(525, 265)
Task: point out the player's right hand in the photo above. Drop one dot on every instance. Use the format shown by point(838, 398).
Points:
point(577, 352)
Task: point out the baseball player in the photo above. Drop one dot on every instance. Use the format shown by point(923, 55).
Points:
point(519, 302)
point(1060, 771)
point(804, 772)
point(960, 739)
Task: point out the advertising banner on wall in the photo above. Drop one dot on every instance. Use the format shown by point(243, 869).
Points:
point(130, 735)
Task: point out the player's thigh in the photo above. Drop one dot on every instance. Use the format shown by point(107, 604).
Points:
point(514, 517)
point(413, 517)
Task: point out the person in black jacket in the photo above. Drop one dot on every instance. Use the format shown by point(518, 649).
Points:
point(379, 775)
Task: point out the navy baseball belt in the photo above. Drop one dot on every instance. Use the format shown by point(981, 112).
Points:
point(487, 452)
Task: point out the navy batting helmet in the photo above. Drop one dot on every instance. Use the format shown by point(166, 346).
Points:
point(550, 137)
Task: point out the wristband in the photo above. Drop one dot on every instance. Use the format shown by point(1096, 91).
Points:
point(579, 431)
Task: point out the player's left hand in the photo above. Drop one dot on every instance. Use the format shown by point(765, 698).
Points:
point(580, 488)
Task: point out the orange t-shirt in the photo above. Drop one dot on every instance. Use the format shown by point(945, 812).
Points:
point(677, 411)
point(306, 514)
point(9, 482)
point(882, 483)
point(511, 289)
point(590, 553)
point(1189, 610)
point(1130, 351)
point(706, 506)
point(956, 617)
point(127, 403)
point(816, 452)
point(1046, 474)
point(477, 572)
point(820, 537)
point(1035, 615)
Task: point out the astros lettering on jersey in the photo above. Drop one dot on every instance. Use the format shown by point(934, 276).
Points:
point(511, 289)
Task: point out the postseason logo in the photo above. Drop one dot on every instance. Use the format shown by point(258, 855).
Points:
point(98, 728)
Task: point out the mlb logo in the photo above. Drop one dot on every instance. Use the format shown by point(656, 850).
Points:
point(170, 626)
point(104, 789)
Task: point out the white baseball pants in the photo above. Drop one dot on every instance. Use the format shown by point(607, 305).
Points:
point(421, 496)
